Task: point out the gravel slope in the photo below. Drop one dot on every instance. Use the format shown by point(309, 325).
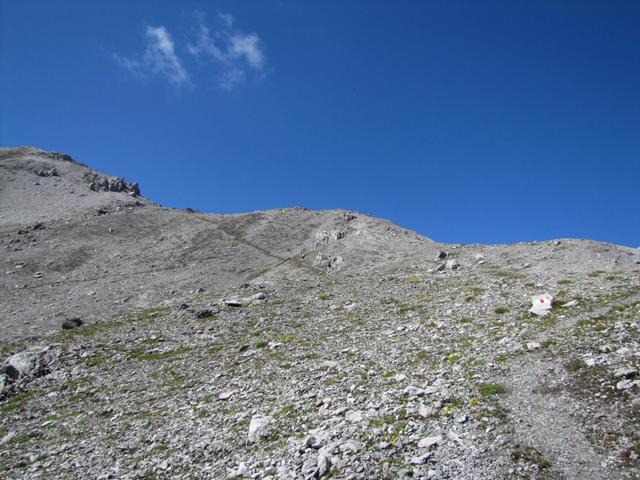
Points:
point(299, 344)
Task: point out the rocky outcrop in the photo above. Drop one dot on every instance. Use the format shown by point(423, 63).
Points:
point(103, 183)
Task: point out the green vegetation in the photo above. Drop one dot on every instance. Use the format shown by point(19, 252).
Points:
point(501, 310)
point(262, 344)
point(142, 356)
point(487, 389)
point(574, 364)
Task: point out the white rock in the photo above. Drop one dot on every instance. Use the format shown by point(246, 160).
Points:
point(452, 264)
point(572, 303)
point(541, 304)
point(533, 346)
point(258, 427)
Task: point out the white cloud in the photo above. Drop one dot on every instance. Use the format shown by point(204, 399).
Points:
point(247, 46)
point(159, 58)
point(233, 54)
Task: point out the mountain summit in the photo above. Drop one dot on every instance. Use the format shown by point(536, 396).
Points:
point(140, 341)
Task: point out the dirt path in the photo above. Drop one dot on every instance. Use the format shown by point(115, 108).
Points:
point(544, 413)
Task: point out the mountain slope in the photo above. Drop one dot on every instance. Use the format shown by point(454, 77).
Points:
point(298, 344)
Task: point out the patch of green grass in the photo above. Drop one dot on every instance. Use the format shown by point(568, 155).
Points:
point(453, 358)
point(153, 312)
point(14, 402)
point(487, 389)
point(144, 356)
point(215, 349)
point(531, 456)
point(262, 344)
point(324, 296)
point(564, 281)
point(405, 309)
point(501, 310)
point(95, 361)
point(502, 359)
point(285, 410)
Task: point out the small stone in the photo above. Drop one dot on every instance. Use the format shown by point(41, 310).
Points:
point(425, 411)
point(225, 395)
point(441, 255)
point(413, 391)
point(572, 303)
point(429, 442)
point(420, 459)
point(204, 313)
point(452, 264)
point(625, 384)
point(531, 346)
point(71, 323)
point(314, 442)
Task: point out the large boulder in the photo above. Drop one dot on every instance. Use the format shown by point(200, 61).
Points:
point(33, 362)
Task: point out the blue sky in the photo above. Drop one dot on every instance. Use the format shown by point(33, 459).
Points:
point(467, 121)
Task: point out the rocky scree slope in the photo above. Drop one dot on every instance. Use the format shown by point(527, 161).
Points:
point(297, 344)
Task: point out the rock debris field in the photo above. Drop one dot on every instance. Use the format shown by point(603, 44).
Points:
point(140, 342)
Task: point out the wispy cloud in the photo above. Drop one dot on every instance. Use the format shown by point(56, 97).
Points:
point(233, 54)
point(159, 58)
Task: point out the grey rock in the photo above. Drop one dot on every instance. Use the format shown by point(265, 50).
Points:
point(258, 427)
point(324, 465)
point(420, 459)
point(429, 442)
point(625, 372)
